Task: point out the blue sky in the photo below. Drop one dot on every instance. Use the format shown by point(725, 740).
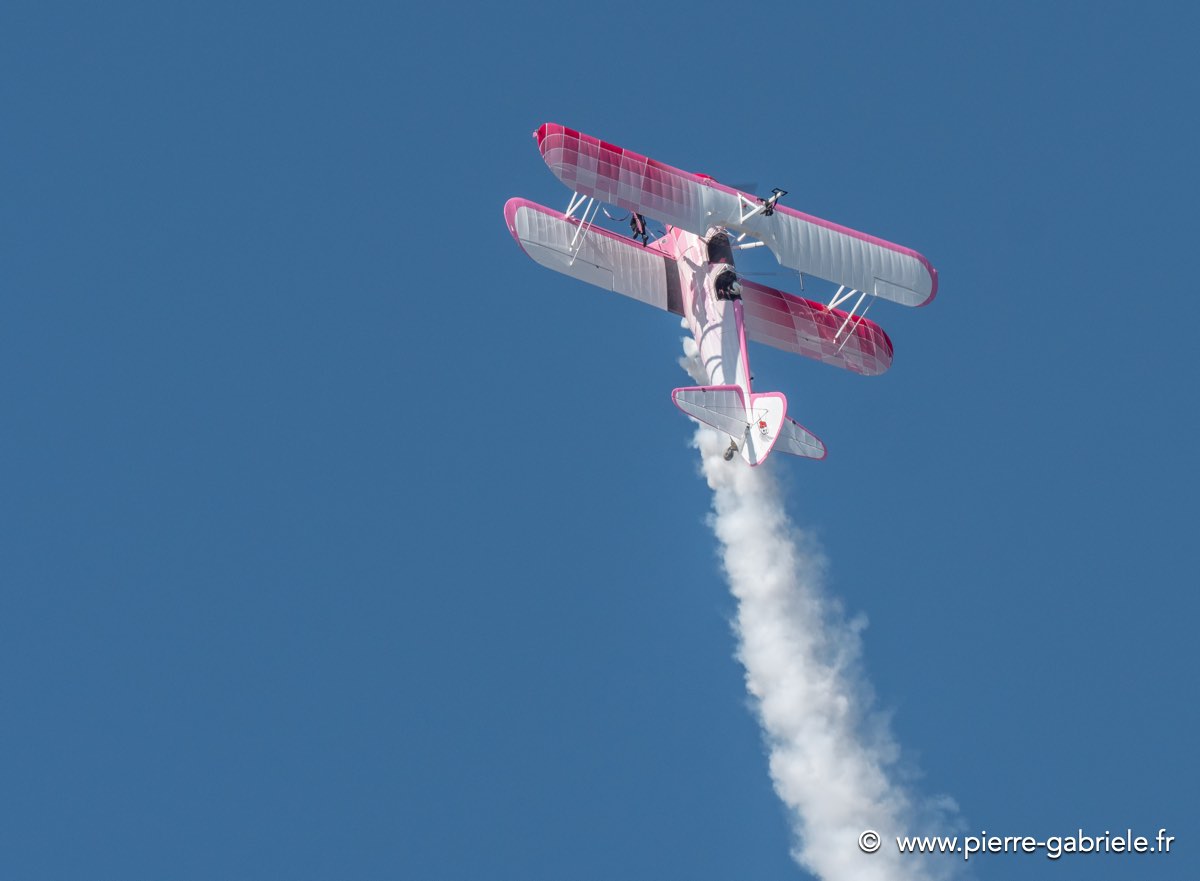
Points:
point(289, 591)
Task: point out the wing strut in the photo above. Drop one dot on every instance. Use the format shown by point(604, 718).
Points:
point(850, 317)
point(585, 222)
point(842, 296)
point(765, 207)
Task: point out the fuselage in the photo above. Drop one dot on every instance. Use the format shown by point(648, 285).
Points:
point(711, 303)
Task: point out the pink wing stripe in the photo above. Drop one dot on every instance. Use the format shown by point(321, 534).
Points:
point(807, 328)
point(618, 176)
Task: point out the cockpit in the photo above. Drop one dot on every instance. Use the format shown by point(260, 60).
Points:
point(727, 286)
point(720, 249)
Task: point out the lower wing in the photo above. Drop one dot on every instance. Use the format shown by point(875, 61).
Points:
point(595, 255)
point(815, 331)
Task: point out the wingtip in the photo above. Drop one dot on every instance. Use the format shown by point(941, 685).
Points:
point(933, 277)
point(510, 217)
point(543, 130)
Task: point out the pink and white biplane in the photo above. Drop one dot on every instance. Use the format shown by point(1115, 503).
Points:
point(690, 271)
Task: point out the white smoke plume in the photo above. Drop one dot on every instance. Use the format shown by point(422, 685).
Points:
point(832, 758)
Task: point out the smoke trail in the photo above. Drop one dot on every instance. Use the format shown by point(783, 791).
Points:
point(830, 754)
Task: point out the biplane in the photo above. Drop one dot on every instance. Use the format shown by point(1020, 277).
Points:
point(689, 270)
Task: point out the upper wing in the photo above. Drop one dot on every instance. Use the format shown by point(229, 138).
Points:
point(811, 329)
point(601, 257)
point(696, 203)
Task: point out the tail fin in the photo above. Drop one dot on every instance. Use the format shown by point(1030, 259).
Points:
point(754, 429)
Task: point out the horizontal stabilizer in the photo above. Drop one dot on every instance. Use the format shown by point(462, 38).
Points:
point(797, 440)
point(721, 406)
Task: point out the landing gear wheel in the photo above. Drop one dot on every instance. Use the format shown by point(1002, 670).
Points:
point(730, 452)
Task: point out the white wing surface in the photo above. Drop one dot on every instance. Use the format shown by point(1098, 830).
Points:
point(599, 257)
